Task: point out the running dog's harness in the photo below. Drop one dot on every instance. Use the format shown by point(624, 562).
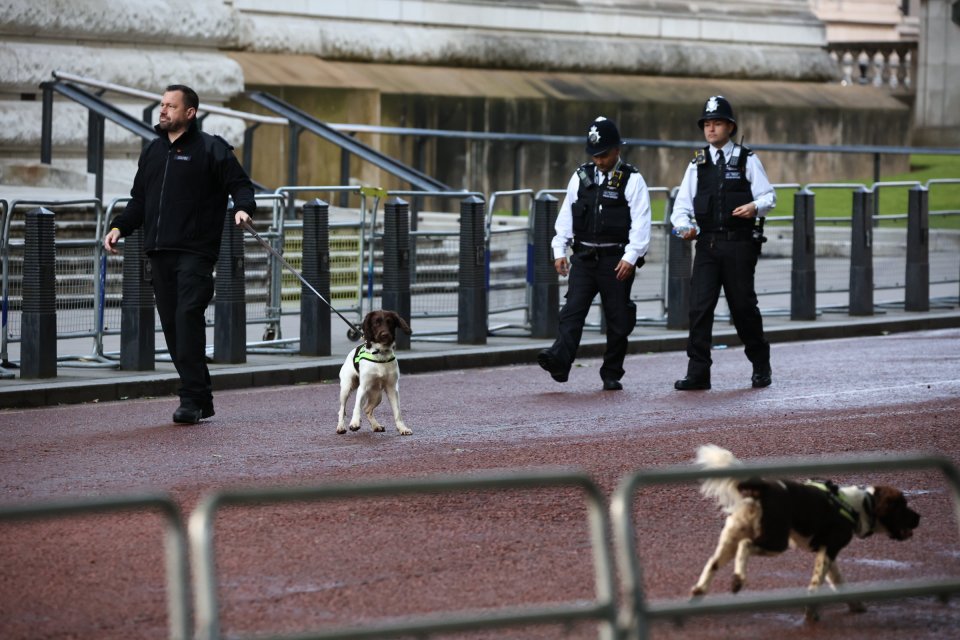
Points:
point(846, 509)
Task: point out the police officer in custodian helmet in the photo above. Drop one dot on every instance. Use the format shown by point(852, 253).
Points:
point(605, 218)
point(724, 191)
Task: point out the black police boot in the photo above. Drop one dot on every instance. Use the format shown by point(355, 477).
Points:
point(549, 363)
point(761, 378)
point(206, 411)
point(188, 414)
point(612, 385)
point(692, 384)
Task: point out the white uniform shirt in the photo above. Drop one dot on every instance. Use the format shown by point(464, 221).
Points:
point(638, 198)
point(764, 195)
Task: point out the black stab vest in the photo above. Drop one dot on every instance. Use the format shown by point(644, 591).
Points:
point(601, 214)
point(717, 196)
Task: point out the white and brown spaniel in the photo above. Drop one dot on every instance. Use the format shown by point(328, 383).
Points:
point(764, 517)
point(372, 369)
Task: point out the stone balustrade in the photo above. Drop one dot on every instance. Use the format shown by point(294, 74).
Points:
point(890, 64)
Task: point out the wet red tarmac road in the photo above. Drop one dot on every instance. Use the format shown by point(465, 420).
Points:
point(294, 568)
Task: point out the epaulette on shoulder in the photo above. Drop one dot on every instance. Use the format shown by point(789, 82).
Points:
point(699, 157)
point(628, 168)
point(747, 151)
point(587, 165)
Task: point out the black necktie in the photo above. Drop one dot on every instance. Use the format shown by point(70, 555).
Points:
point(721, 162)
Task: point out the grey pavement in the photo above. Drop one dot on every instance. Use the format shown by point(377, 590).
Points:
point(434, 347)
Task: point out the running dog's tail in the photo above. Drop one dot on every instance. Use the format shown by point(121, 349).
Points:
point(722, 490)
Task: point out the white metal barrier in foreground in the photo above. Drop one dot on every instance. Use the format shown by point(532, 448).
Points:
point(601, 609)
point(637, 613)
point(175, 542)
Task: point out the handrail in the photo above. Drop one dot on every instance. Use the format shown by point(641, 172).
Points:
point(304, 120)
point(102, 108)
point(137, 93)
point(512, 137)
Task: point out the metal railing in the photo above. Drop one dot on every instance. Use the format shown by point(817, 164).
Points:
point(175, 541)
point(79, 273)
point(637, 612)
point(601, 609)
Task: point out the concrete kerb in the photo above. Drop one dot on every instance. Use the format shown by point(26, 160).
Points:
point(109, 385)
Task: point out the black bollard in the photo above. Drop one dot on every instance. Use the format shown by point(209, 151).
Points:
point(38, 350)
point(861, 254)
point(315, 337)
point(473, 278)
point(396, 263)
point(917, 293)
point(545, 286)
point(679, 267)
point(803, 276)
point(230, 305)
point(138, 334)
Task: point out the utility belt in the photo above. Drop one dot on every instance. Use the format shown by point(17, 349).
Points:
point(724, 234)
point(595, 251)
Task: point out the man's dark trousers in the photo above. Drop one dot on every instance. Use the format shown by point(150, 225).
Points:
point(183, 287)
point(729, 264)
point(589, 275)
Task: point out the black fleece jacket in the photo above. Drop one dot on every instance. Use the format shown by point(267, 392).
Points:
point(180, 192)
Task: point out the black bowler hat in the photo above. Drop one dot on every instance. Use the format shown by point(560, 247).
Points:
point(718, 108)
point(601, 136)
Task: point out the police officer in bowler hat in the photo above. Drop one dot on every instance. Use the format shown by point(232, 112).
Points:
point(724, 190)
point(605, 218)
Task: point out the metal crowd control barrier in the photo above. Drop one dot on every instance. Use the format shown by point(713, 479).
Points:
point(175, 542)
point(445, 304)
point(283, 218)
point(637, 613)
point(87, 278)
point(512, 238)
point(601, 609)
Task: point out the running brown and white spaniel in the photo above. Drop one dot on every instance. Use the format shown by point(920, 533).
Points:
point(764, 517)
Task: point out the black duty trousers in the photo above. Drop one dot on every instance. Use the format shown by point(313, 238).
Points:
point(183, 287)
point(729, 264)
point(590, 275)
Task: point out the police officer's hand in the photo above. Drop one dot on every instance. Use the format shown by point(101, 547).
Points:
point(624, 270)
point(241, 217)
point(110, 241)
point(562, 266)
point(748, 210)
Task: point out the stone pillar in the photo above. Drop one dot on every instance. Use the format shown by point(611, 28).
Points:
point(138, 334)
point(314, 312)
point(473, 277)
point(545, 284)
point(396, 263)
point(38, 349)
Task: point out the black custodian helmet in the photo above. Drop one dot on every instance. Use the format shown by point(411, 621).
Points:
point(718, 108)
point(603, 135)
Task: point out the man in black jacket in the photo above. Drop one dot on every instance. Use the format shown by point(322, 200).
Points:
point(179, 197)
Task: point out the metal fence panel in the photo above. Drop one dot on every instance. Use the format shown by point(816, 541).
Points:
point(175, 542)
point(637, 612)
point(601, 609)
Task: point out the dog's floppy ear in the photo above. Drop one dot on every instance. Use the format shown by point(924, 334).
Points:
point(400, 322)
point(367, 327)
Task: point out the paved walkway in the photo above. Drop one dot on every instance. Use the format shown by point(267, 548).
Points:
point(431, 351)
